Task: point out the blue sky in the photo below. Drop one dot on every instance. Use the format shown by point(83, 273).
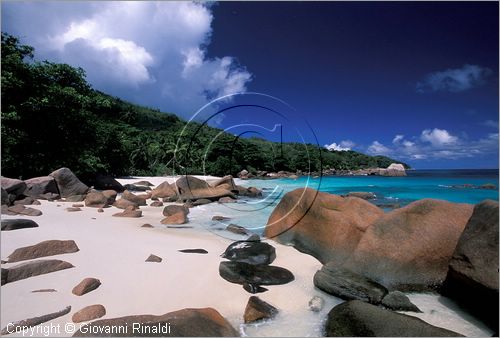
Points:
point(415, 81)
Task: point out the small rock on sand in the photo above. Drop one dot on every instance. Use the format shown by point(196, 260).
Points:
point(73, 209)
point(147, 225)
point(89, 313)
point(153, 258)
point(86, 285)
point(257, 309)
point(197, 251)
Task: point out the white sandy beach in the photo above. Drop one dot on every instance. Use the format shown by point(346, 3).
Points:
point(114, 249)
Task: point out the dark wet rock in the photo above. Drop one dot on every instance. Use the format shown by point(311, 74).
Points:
point(156, 204)
point(205, 322)
point(398, 301)
point(220, 218)
point(123, 204)
point(240, 273)
point(250, 252)
point(257, 309)
point(39, 186)
point(253, 288)
point(361, 194)
point(85, 286)
point(16, 224)
point(106, 182)
point(179, 226)
point(253, 238)
point(357, 318)
point(153, 258)
point(44, 290)
point(89, 313)
point(5, 197)
point(472, 278)
point(68, 184)
point(31, 269)
point(197, 251)
point(43, 249)
point(30, 322)
point(316, 304)
point(201, 201)
point(129, 211)
point(144, 183)
point(73, 209)
point(348, 285)
point(96, 199)
point(237, 229)
point(20, 209)
point(133, 187)
point(133, 198)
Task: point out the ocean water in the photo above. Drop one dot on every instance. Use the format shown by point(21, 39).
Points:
point(459, 186)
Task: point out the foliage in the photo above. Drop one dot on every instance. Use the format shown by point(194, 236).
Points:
point(51, 117)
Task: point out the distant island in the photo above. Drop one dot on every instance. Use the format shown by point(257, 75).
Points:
point(51, 118)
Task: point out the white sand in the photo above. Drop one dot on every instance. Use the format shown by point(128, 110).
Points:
point(114, 249)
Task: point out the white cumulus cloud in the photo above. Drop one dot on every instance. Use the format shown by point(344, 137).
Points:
point(454, 80)
point(342, 146)
point(438, 137)
point(377, 148)
point(148, 52)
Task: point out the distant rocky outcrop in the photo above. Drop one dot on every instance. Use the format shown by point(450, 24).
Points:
point(206, 322)
point(359, 319)
point(472, 277)
point(192, 188)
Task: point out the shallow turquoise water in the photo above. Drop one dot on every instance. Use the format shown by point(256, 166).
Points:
point(439, 184)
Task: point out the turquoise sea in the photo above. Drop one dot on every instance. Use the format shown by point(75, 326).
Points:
point(462, 186)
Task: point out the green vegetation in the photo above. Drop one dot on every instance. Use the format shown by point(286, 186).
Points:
point(51, 117)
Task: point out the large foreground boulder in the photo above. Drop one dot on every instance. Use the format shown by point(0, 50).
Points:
point(38, 187)
point(323, 225)
point(43, 249)
point(348, 285)
point(68, 184)
point(31, 269)
point(472, 277)
point(409, 248)
point(359, 319)
point(206, 322)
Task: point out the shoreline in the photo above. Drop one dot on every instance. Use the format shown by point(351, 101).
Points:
point(114, 250)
